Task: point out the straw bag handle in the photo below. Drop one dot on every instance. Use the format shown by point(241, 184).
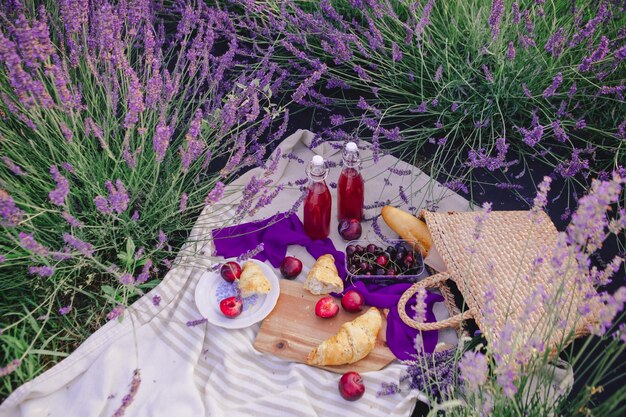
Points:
point(432, 281)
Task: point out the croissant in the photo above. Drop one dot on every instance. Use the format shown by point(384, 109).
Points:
point(253, 280)
point(354, 341)
point(323, 277)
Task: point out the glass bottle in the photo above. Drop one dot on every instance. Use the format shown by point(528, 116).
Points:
point(350, 187)
point(318, 200)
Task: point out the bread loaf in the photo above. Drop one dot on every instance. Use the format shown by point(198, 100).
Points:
point(324, 278)
point(253, 280)
point(409, 228)
point(354, 341)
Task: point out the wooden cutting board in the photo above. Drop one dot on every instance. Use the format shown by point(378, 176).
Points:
point(292, 329)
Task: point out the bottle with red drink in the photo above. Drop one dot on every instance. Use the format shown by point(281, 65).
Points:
point(318, 201)
point(350, 189)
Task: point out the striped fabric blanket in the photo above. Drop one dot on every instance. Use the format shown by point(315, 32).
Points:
point(173, 363)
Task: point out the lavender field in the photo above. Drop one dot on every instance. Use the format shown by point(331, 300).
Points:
point(121, 120)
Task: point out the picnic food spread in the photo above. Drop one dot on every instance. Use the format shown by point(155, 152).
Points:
point(324, 278)
point(354, 341)
point(253, 280)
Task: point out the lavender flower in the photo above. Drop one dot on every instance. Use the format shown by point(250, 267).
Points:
point(10, 368)
point(161, 140)
point(510, 52)
point(425, 19)
point(337, 119)
point(454, 106)
point(65, 310)
point(456, 185)
point(556, 82)
point(144, 275)
point(474, 370)
point(517, 17)
point(527, 91)
point(361, 73)
point(533, 136)
point(554, 45)
point(126, 278)
point(11, 215)
point(28, 242)
point(73, 221)
point(497, 11)
point(396, 53)
point(183, 202)
point(135, 105)
point(117, 311)
point(487, 73)
point(439, 73)
point(135, 216)
point(83, 247)
point(216, 194)
point(156, 300)
point(197, 322)
point(102, 205)
point(57, 196)
point(130, 397)
point(43, 271)
point(559, 132)
point(541, 199)
point(13, 167)
point(162, 239)
point(601, 51)
point(118, 197)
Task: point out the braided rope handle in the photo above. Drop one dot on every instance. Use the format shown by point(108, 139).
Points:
point(437, 280)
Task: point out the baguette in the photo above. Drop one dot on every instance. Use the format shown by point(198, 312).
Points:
point(409, 227)
point(354, 341)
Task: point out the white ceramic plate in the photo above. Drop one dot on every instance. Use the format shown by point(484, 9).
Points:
point(212, 288)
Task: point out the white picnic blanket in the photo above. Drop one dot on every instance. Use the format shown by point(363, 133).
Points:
point(204, 369)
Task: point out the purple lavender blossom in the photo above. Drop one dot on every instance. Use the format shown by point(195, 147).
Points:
point(144, 275)
point(487, 73)
point(438, 73)
point(216, 194)
point(551, 89)
point(497, 11)
point(84, 248)
point(183, 202)
point(130, 397)
point(156, 300)
point(601, 51)
point(337, 119)
point(161, 140)
point(424, 19)
point(135, 216)
point(126, 278)
point(117, 311)
point(135, 105)
point(10, 368)
point(71, 220)
point(541, 199)
point(396, 53)
point(57, 196)
point(361, 73)
point(510, 52)
point(527, 91)
point(559, 132)
point(13, 167)
point(456, 185)
point(474, 369)
point(28, 242)
point(68, 167)
point(43, 271)
point(533, 136)
point(102, 205)
point(65, 310)
point(162, 239)
point(517, 17)
point(118, 196)
point(554, 45)
point(197, 322)
point(454, 106)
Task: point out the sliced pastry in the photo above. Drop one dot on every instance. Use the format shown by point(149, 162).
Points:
point(253, 280)
point(323, 278)
point(354, 341)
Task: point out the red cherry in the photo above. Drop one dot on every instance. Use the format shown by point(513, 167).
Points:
point(382, 260)
point(352, 301)
point(231, 307)
point(230, 271)
point(290, 267)
point(351, 386)
point(326, 308)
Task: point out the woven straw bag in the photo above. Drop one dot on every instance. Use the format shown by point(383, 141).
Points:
point(503, 262)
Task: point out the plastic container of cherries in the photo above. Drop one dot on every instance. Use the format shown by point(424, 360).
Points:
point(383, 262)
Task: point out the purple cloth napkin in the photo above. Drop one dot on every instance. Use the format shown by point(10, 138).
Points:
point(282, 230)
